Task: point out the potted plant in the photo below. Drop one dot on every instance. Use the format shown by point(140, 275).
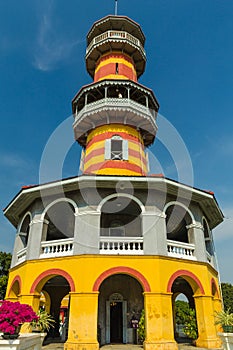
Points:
point(225, 320)
point(43, 322)
point(12, 316)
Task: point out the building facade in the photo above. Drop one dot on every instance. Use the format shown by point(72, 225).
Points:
point(116, 240)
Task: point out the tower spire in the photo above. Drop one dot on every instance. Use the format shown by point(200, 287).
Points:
point(116, 7)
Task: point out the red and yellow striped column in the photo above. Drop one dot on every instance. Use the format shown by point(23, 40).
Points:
point(95, 161)
point(115, 65)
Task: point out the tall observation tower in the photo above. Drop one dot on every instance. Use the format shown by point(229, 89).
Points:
point(115, 116)
point(97, 249)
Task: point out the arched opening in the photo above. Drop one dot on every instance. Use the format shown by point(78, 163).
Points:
point(54, 292)
point(177, 220)
point(119, 309)
point(24, 230)
point(121, 216)
point(207, 236)
point(184, 313)
point(61, 221)
point(15, 289)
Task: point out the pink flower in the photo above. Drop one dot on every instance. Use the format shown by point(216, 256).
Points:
point(14, 314)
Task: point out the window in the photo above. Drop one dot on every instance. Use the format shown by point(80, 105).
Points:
point(116, 148)
point(117, 68)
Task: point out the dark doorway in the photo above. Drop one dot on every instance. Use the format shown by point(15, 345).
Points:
point(116, 324)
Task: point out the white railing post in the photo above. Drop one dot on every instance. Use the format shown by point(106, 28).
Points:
point(181, 250)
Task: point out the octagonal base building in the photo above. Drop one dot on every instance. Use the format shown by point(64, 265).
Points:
point(97, 249)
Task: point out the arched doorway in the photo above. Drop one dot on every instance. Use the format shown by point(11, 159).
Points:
point(54, 286)
point(183, 311)
point(120, 303)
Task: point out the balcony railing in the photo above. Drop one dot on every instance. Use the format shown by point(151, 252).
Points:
point(21, 255)
point(121, 245)
point(181, 250)
point(114, 246)
point(118, 36)
point(123, 105)
point(57, 248)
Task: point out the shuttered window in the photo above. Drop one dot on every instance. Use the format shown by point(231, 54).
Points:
point(116, 148)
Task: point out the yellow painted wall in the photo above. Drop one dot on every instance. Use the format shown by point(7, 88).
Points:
point(85, 270)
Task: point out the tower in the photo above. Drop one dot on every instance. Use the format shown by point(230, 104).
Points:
point(115, 240)
point(115, 116)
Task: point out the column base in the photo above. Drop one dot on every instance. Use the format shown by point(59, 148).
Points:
point(160, 345)
point(73, 345)
point(214, 343)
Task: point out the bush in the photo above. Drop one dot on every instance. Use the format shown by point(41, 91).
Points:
point(141, 327)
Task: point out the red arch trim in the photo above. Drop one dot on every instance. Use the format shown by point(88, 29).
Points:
point(16, 279)
point(184, 273)
point(213, 282)
point(53, 272)
point(124, 270)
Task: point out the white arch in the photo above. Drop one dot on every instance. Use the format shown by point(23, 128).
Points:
point(58, 201)
point(181, 205)
point(24, 217)
point(207, 225)
point(115, 195)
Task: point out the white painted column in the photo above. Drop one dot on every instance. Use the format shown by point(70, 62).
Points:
point(87, 232)
point(196, 237)
point(154, 233)
point(38, 231)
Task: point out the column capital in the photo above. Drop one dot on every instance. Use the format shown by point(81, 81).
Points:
point(195, 225)
point(90, 212)
point(39, 221)
point(154, 213)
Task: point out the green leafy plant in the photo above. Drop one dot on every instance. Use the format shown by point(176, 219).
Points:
point(44, 322)
point(141, 327)
point(224, 319)
point(190, 325)
point(186, 316)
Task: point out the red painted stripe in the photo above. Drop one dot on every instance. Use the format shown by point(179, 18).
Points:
point(94, 153)
point(115, 55)
point(136, 154)
point(123, 270)
point(110, 68)
point(115, 164)
point(99, 151)
point(108, 135)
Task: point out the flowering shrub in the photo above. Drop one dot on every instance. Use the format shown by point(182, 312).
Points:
point(13, 315)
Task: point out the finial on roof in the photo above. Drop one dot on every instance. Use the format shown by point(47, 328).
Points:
point(116, 3)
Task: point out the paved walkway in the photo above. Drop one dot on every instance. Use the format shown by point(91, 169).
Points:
point(60, 346)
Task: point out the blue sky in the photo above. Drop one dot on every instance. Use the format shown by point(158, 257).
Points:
point(189, 67)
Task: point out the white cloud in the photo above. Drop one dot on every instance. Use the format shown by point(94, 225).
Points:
point(52, 45)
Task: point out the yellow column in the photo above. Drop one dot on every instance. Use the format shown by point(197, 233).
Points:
point(82, 332)
point(31, 299)
point(34, 301)
point(159, 322)
point(207, 335)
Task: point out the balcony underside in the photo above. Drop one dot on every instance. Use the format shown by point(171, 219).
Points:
point(115, 110)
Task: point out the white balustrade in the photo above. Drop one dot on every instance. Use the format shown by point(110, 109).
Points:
point(121, 245)
point(118, 35)
point(181, 250)
point(209, 257)
point(21, 255)
point(116, 104)
point(60, 247)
